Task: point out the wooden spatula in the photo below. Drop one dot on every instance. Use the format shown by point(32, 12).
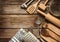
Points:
point(52, 28)
point(43, 5)
point(33, 7)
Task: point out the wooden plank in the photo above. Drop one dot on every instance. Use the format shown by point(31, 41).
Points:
point(7, 33)
point(12, 1)
point(11, 9)
point(4, 39)
point(17, 21)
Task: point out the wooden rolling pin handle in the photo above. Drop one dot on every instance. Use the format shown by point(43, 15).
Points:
point(50, 18)
point(53, 19)
point(41, 13)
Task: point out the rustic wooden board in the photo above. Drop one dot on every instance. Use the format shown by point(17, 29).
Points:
point(7, 33)
point(4, 39)
point(12, 1)
point(11, 9)
point(17, 21)
point(12, 19)
point(11, 6)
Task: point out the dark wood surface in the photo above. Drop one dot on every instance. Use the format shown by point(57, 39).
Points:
point(4, 39)
point(12, 18)
point(17, 21)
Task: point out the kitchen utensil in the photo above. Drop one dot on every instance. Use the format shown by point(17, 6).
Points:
point(26, 4)
point(50, 18)
point(32, 8)
point(53, 28)
point(22, 35)
point(53, 31)
point(18, 37)
point(43, 5)
point(29, 37)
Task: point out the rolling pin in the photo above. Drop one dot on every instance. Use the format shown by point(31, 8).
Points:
point(50, 18)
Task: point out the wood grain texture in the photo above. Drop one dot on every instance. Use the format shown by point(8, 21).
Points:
point(17, 21)
point(4, 39)
point(11, 9)
point(11, 6)
point(7, 33)
point(12, 1)
point(12, 19)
